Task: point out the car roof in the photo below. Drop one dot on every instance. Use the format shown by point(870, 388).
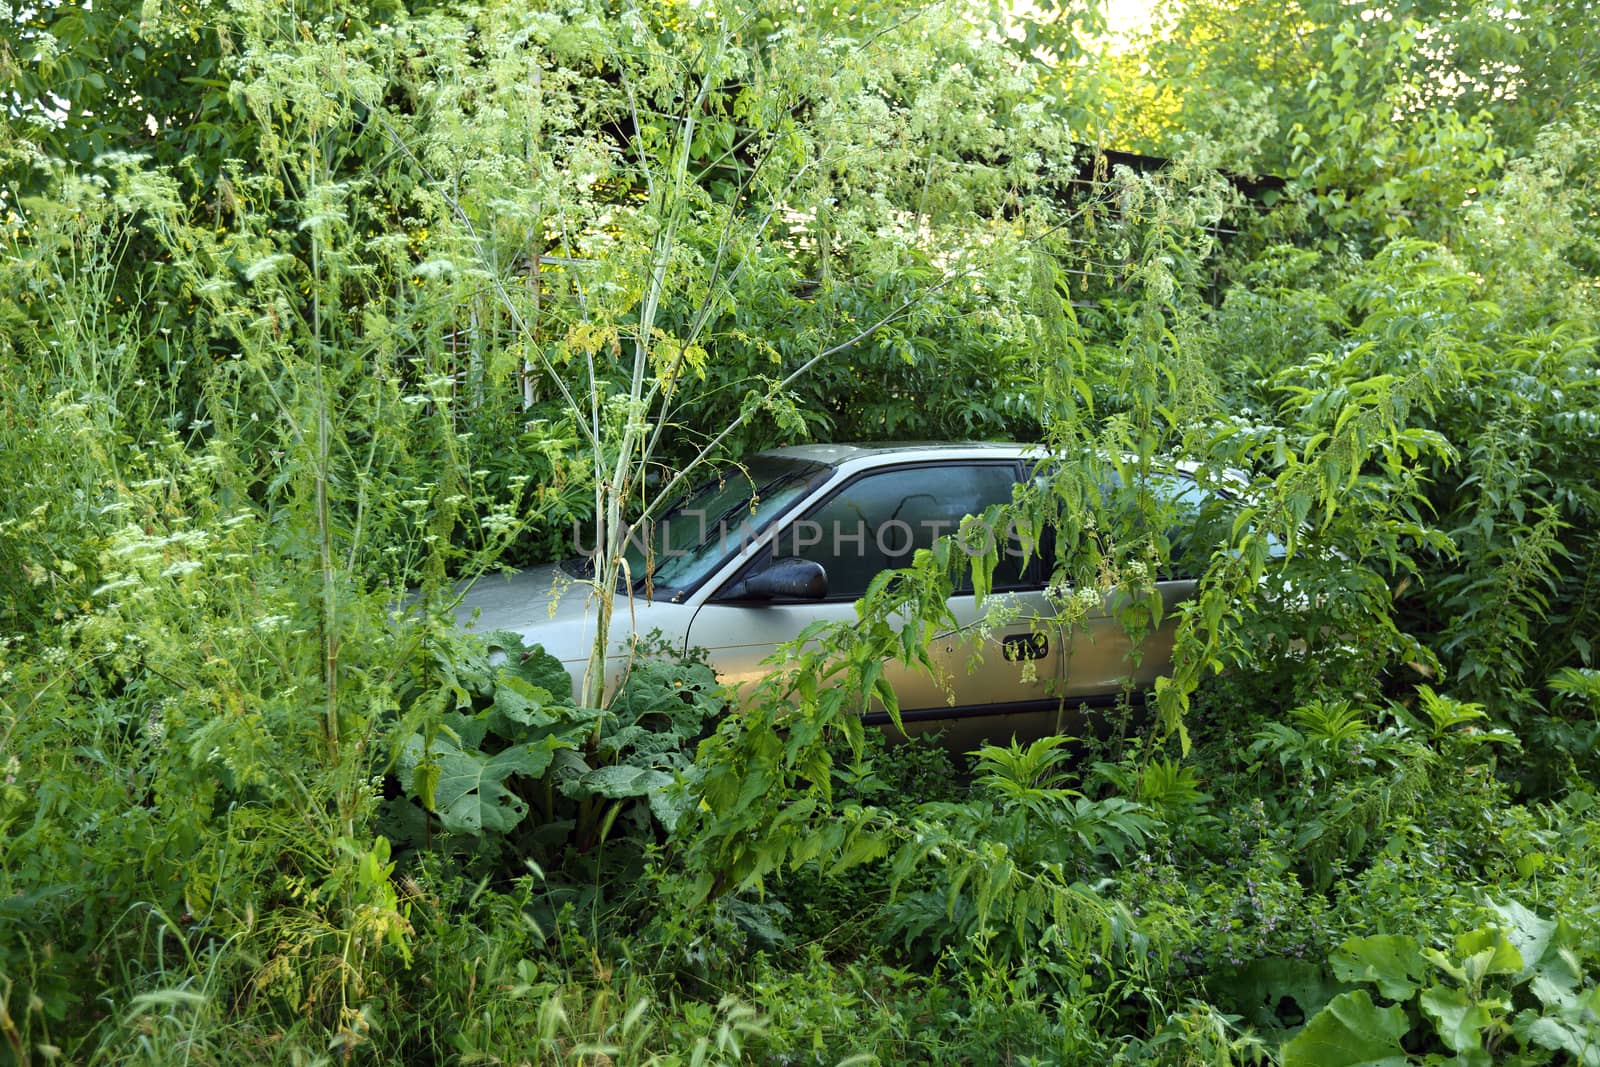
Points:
point(850, 457)
point(875, 454)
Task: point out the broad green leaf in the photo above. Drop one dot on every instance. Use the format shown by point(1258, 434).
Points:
point(1558, 1035)
point(1263, 987)
point(1393, 962)
point(1350, 1032)
point(1487, 951)
point(467, 731)
point(616, 781)
point(470, 795)
point(534, 666)
point(668, 805)
point(1539, 942)
point(1445, 964)
point(1459, 1020)
point(521, 701)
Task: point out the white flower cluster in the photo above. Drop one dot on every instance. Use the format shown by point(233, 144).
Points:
point(1073, 600)
point(155, 725)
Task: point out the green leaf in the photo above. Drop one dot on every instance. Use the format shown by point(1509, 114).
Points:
point(1539, 941)
point(425, 783)
point(1391, 961)
point(1263, 987)
point(1487, 951)
point(618, 780)
point(1577, 1037)
point(1350, 1032)
point(862, 847)
point(670, 803)
point(535, 666)
point(521, 701)
point(1459, 1020)
point(469, 795)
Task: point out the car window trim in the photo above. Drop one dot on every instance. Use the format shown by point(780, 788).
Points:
point(818, 478)
point(1035, 583)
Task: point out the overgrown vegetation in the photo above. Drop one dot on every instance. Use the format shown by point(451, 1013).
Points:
point(311, 314)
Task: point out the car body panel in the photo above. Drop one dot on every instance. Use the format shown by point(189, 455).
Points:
point(549, 607)
point(741, 639)
point(1103, 658)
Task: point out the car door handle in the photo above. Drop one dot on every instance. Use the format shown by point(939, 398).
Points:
point(1019, 647)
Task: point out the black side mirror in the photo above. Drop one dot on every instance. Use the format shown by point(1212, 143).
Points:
point(797, 579)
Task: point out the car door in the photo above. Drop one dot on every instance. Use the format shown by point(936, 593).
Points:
point(875, 521)
point(1126, 641)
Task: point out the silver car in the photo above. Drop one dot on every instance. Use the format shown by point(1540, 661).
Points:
point(793, 536)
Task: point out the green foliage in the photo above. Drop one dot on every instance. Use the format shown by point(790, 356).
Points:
point(188, 753)
point(1522, 986)
point(512, 745)
point(1350, 1031)
point(1402, 65)
point(308, 316)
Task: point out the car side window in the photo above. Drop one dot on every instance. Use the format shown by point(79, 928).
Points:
point(878, 522)
point(1179, 505)
point(1191, 519)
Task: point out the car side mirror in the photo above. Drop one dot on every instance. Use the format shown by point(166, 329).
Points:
point(796, 579)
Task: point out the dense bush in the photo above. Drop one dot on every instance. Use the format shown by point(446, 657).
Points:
point(322, 314)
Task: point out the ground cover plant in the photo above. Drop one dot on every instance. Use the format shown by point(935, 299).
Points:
point(312, 314)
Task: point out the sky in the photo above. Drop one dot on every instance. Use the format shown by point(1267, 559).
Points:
point(1127, 16)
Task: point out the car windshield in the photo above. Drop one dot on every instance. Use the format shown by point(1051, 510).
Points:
point(718, 516)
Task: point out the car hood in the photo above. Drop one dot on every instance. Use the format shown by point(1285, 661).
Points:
point(547, 606)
